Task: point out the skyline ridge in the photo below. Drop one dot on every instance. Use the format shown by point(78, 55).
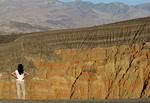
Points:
point(128, 2)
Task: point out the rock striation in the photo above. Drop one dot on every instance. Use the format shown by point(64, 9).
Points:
point(103, 62)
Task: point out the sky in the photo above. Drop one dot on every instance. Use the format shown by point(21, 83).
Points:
point(129, 2)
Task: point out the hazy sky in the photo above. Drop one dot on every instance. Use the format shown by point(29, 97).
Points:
point(130, 2)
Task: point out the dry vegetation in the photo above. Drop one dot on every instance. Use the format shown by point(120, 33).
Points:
point(43, 45)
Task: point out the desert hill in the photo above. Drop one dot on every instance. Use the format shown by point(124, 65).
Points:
point(25, 16)
point(101, 62)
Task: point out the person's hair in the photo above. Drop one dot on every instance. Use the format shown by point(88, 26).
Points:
point(20, 69)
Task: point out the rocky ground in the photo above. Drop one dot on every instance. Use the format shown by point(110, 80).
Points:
point(146, 100)
point(77, 101)
point(105, 62)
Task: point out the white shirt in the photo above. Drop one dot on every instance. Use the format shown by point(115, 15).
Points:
point(19, 77)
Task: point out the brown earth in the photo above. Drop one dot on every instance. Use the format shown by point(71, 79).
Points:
point(80, 70)
point(99, 73)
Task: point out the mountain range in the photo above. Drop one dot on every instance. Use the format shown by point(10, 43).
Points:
point(24, 16)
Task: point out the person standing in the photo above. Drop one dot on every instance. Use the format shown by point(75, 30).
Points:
point(20, 74)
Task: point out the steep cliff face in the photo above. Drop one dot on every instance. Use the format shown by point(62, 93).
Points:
point(75, 69)
point(99, 73)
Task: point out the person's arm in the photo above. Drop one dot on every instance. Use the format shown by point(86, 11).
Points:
point(14, 74)
point(26, 74)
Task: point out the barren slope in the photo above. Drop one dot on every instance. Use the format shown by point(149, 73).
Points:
point(101, 62)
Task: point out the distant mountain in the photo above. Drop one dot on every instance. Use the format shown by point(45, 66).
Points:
point(21, 16)
point(145, 6)
point(112, 8)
